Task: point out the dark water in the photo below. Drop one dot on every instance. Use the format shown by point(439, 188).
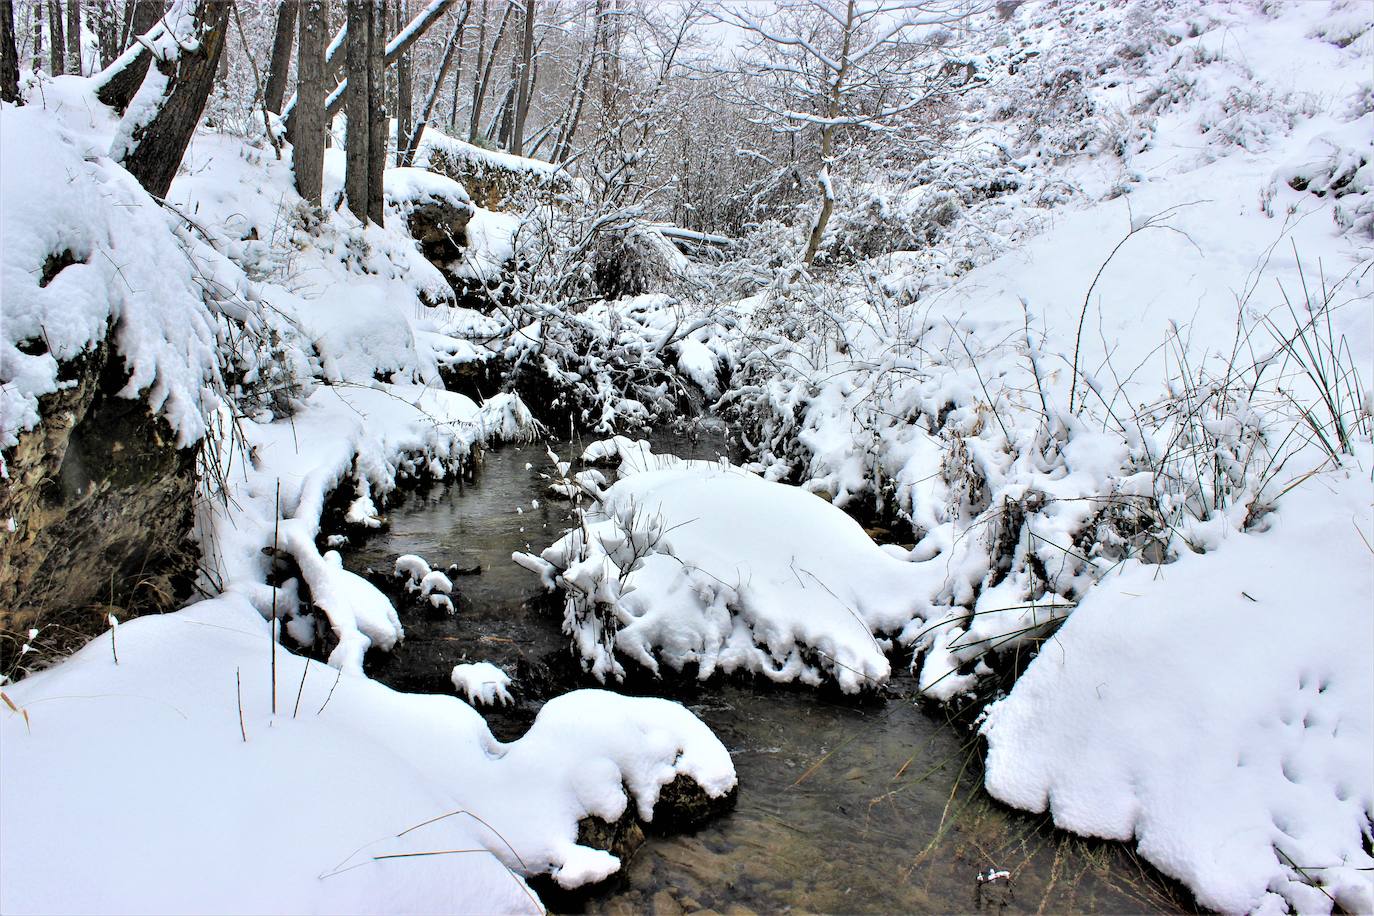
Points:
point(841, 808)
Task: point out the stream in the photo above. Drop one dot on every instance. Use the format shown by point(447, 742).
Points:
point(842, 806)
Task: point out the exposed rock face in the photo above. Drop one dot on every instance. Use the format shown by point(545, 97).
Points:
point(441, 229)
point(494, 186)
point(101, 502)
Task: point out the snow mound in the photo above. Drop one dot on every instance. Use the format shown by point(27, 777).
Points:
point(1218, 711)
point(327, 802)
point(703, 563)
point(483, 683)
point(84, 251)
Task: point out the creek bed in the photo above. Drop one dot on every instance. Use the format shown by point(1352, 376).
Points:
point(842, 806)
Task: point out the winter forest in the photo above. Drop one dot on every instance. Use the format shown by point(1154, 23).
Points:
point(676, 456)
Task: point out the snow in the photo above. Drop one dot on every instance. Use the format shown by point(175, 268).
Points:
point(704, 563)
point(62, 194)
point(476, 157)
point(483, 683)
point(314, 793)
point(1217, 711)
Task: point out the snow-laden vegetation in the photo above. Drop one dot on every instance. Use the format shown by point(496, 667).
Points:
point(1070, 303)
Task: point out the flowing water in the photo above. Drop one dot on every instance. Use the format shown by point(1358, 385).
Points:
point(842, 807)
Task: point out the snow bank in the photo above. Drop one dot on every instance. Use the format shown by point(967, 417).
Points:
point(703, 563)
point(134, 272)
point(1218, 711)
point(350, 798)
point(363, 438)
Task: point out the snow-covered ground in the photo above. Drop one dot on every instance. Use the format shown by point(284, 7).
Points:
point(148, 773)
point(1121, 381)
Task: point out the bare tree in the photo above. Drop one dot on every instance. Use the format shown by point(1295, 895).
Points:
point(523, 79)
point(9, 54)
point(479, 88)
point(57, 59)
point(308, 158)
point(581, 83)
point(74, 37)
point(404, 87)
point(38, 35)
point(185, 48)
point(835, 69)
point(378, 120)
point(358, 106)
point(283, 37)
point(412, 143)
point(122, 76)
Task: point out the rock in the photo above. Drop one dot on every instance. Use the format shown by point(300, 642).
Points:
point(684, 805)
point(102, 503)
point(664, 904)
point(621, 838)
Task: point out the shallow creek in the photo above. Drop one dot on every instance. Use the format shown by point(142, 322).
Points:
point(842, 807)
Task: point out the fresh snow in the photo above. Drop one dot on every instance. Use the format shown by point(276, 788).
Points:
point(296, 812)
point(1219, 711)
point(483, 683)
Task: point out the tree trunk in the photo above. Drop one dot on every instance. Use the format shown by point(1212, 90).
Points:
point(404, 91)
point(139, 17)
point(107, 31)
point(155, 148)
point(282, 40)
point(458, 69)
point(412, 143)
point(479, 89)
point(308, 158)
point(9, 54)
point(56, 39)
point(378, 121)
point(74, 37)
point(119, 83)
point(356, 107)
point(562, 147)
point(523, 87)
point(38, 35)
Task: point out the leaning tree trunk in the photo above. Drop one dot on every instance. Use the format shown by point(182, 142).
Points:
point(9, 55)
point(377, 120)
point(282, 40)
point(154, 147)
point(59, 44)
point(308, 157)
point(412, 142)
point(123, 76)
point(74, 37)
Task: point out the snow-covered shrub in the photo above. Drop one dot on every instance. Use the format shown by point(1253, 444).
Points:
point(876, 219)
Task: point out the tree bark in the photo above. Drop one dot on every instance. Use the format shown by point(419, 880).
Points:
point(107, 31)
point(359, 135)
point(523, 87)
point(74, 37)
point(479, 90)
point(282, 40)
point(562, 147)
point(119, 85)
point(308, 158)
point(404, 90)
point(412, 143)
point(378, 120)
point(9, 54)
point(56, 39)
point(157, 146)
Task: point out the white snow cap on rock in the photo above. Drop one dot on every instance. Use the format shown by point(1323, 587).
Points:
point(483, 683)
point(702, 562)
